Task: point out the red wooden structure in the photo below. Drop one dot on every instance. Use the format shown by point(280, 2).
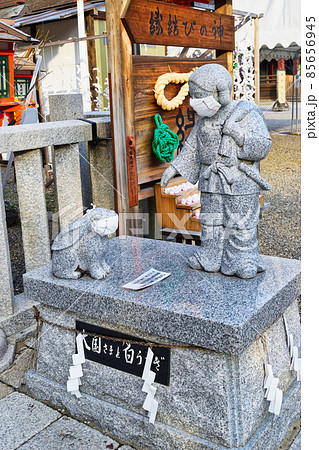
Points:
point(11, 106)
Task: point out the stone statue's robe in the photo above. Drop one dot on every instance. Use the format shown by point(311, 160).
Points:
point(229, 181)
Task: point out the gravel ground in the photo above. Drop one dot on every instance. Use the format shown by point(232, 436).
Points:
point(279, 228)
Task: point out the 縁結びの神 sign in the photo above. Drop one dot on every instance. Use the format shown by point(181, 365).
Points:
point(152, 22)
point(123, 356)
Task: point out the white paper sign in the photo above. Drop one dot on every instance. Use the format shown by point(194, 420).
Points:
point(272, 389)
point(275, 404)
point(153, 411)
point(148, 376)
point(75, 371)
point(269, 375)
point(147, 279)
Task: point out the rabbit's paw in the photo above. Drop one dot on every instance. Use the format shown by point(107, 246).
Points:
point(98, 273)
point(106, 267)
point(75, 275)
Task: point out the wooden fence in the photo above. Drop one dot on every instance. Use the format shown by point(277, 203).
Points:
point(268, 88)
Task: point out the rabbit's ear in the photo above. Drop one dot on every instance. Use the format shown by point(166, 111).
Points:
point(70, 235)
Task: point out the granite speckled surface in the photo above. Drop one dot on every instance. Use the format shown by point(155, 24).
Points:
point(233, 391)
point(126, 425)
point(32, 208)
point(22, 318)
point(13, 430)
point(215, 395)
point(6, 286)
point(218, 312)
point(69, 434)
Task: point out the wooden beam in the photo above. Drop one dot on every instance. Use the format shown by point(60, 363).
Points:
point(67, 41)
point(100, 15)
point(224, 7)
point(124, 6)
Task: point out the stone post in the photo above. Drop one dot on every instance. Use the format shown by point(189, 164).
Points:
point(101, 166)
point(32, 206)
point(6, 286)
point(70, 107)
point(68, 183)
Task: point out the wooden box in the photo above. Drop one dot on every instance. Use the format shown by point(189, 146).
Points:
point(171, 213)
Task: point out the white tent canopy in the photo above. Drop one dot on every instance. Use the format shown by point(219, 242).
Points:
point(281, 22)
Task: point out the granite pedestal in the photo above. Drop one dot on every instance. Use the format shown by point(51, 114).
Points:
point(215, 398)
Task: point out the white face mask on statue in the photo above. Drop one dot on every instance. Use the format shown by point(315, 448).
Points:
point(106, 226)
point(206, 106)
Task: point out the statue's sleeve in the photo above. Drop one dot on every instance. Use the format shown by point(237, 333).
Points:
point(257, 141)
point(187, 162)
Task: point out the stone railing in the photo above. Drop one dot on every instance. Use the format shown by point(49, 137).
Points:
point(26, 142)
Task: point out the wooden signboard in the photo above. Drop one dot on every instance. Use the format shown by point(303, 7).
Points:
point(146, 70)
point(168, 24)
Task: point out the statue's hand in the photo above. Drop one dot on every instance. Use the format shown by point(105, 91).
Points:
point(169, 173)
point(234, 130)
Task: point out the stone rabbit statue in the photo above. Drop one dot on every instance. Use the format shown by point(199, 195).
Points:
point(81, 246)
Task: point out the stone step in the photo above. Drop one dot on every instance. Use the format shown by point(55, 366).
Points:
point(37, 426)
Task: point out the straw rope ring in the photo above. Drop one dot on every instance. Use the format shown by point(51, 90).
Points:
point(163, 81)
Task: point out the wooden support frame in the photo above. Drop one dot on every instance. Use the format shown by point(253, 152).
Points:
point(119, 57)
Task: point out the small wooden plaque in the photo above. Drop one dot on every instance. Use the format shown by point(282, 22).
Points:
point(131, 171)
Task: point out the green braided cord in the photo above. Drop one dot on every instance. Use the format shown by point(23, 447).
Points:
point(165, 141)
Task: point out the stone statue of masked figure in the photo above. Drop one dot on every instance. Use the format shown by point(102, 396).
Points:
point(221, 153)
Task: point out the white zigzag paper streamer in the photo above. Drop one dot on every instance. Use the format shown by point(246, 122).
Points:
point(76, 373)
point(295, 362)
point(148, 376)
point(272, 393)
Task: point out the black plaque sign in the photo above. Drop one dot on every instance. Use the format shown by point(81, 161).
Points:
point(123, 356)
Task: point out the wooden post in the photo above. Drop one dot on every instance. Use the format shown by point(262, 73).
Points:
point(225, 7)
point(41, 117)
point(89, 24)
point(120, 69)
point(256, 62)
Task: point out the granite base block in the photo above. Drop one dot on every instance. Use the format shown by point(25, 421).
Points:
point(8, 357)
point(223, 313)
point(21, 319)
point(126, 426)
point(215, 397)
